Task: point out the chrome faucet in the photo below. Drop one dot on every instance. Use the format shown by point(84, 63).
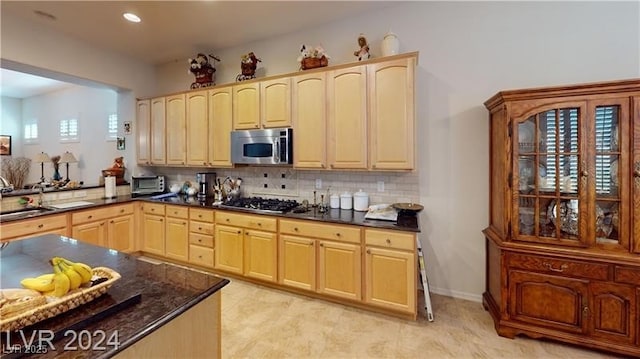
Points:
point(40, 194)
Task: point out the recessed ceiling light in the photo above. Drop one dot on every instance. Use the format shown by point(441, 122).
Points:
point(131, 17)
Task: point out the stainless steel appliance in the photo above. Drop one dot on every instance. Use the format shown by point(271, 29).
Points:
point(272, 146)
point(263, 205)
point(147, 185)
point(206, 180)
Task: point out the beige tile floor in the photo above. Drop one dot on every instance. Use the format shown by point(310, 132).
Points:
point(259, 322)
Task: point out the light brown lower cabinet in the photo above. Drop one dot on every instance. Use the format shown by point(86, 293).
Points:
point(261, 255)
point(153, 228)
point(297, 263)
point(229, 253)
point(111, 227)
point(201, 237)
point(52, 224)
point(339, 269)
point(176, 237)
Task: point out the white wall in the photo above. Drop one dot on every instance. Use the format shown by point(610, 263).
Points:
point(10, 123)
point(468, 52)
point(91, 107)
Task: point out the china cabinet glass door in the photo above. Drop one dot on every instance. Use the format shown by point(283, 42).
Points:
point(550, 176)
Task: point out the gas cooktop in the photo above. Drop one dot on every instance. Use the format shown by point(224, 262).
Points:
point(259, 204)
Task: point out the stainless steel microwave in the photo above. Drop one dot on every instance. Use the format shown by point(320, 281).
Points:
point(273, 146)
point(146, 185)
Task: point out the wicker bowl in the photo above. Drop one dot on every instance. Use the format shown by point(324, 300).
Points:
point(313, 62)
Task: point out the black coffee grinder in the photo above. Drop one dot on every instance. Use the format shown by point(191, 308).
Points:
point(206, 180)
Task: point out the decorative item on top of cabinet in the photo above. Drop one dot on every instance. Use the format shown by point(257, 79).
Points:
point(563, 214)
point(312, 58)
point(248, 66)
point(204, 71)
point(363, 52)
point(390, 44)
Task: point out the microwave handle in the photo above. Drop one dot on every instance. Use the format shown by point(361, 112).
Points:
point(276, 144)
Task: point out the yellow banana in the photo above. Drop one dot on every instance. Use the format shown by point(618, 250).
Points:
point(61, 283)
point(74, 278)
point(84, 270)
point(43, 283)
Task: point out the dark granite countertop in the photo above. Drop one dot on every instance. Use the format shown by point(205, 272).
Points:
point(166, 291)
point(338, 216)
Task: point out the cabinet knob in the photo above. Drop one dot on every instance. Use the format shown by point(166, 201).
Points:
point(40, 225)
point(584, 173)
point(200, 257)
point(311, 243)
point(204, 163)
point(295, 229)
point(321, 244)
point(122, 210)
point(199, 228)
point(247, 233)
point(200, 240)
point(112, 221)
point(585, 311)
point(388, 241)
point(338, 234)
point(368, 251)
point(161, 220)
point(227, 219)
point(199, 216)
point(259, 224)
point(90, 216)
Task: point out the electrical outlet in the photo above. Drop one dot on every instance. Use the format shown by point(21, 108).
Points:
point(380, 186)
point(318, 183)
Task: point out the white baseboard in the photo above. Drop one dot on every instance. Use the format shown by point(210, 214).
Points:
point(456, 294)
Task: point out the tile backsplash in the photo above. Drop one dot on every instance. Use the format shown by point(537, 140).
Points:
point(283, 182)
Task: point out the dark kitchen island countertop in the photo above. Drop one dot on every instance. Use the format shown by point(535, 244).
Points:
point(165, 293)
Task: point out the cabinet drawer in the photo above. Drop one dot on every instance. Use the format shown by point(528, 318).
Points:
point(201, 240)
point(202, 215)
point(202, 228)
point(33, 226)
point(390, 239)
point(628, 275)
point(342, 233)
point(153, 208)
point(201, 255)
point(98, 214)
point(247, 221)
point(559, 266)
point(177, 212)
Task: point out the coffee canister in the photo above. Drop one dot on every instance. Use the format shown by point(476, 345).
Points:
point(346, 201)
point(360, 201)
point(390, 44)
point(334, 201)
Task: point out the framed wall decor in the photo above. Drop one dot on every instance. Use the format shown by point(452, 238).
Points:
point(5, 145)
point(127, 128)
point(120, 145)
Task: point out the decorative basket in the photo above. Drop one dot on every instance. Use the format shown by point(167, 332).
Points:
point(55, 306)
point(313, 62)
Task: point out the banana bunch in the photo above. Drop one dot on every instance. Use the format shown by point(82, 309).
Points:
point(66, 276)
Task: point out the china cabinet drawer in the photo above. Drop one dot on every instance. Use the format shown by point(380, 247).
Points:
point(247, 221)
point(33, 226)
point(201, 255)
point(628, 275)
point(202, 228)
point(177, 212)
point(203, 215)
point(201, 240)
point(389, 239)
point(101, 213)
point(153, 208)
point(325, 231)
point(557, 266)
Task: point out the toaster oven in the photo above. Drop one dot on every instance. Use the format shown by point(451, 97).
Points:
point(147, 185)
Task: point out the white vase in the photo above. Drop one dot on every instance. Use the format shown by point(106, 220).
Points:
point(390, 44)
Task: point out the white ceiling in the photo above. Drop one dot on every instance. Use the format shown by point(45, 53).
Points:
point(171, 30)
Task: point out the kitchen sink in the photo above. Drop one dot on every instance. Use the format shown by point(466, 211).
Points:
point(24, 213)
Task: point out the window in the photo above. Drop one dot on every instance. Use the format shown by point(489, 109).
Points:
point(69, 130)
point(112, 127)
point(31, 132)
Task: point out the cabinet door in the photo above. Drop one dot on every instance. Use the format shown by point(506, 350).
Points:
point(92, 232)
point(391, 107)
point(229, 249)
point(261, 255)
point(197, 128)
point(176, 244)
point(635, 230)
point(549, 301)
point(347, 118)
point(120, 233)
point(158, 131)
point(220, 125)
point(614, 312)
point(275, 103)
point(153, 227)
point(309, 121)
point(246, 106)
point(297, 262)
point(339, 270)
point(143, 133)
point(176, 130)
point(390, 279)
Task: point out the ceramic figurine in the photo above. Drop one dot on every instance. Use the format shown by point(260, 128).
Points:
point(204, 71)
point(363, 53)
point(248, 66)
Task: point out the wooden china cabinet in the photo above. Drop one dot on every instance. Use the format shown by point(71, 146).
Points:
point(563, 242)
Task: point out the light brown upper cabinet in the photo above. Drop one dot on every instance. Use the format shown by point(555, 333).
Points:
point(246, 106)
point(347, 118)
point(197, 128)
point(158, 140)
point(176, 130)
point(220, 126)
point(309, 120)
point(275, 103)
point(391, 109)
point(143, 121)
